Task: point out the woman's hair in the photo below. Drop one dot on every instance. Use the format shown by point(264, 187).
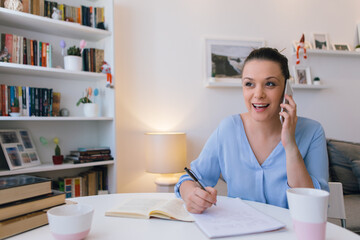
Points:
point(270, 54)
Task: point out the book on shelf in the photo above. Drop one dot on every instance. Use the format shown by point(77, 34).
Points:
point(147, 207)
point(22, 223)
point(93, 59)
point(14, 188)
point(85, 184)
point(31, 101)
point(29, 205)
point(90, 151)
point(22, 50)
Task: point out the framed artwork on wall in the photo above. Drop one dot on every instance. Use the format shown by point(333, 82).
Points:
point(302, 75)
point(18, 148)
point(224, 58)
point(321, 41)
point(341, 47)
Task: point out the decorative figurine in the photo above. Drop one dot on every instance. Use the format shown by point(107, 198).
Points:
point(56, 14)
point(301, 45)
point(14, 5)
point(105, 68)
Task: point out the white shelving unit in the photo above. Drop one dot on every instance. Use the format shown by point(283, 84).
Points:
point(214, 84)
point(332, 52)
point(75, 130)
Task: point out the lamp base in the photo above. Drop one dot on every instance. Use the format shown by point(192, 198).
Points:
point(166, 183)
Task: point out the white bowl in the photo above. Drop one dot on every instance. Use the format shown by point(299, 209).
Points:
point(70, 222)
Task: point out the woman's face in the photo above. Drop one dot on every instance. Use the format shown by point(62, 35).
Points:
point(263, 86)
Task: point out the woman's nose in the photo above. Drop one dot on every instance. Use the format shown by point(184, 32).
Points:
point(259, 92)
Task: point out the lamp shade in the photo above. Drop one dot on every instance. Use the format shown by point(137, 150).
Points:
point(165, 152)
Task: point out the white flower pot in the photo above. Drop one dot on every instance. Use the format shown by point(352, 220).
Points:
point(73, 63)
point(91, 109)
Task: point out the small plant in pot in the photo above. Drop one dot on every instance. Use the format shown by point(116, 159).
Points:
point(15, 109)
point(357, 48)
point(73, 60)
point(90, 108)
point(57, 158)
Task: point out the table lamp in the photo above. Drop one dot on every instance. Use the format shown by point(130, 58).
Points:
point(165, 155)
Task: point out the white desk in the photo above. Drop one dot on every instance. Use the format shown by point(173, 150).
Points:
point(127, 228)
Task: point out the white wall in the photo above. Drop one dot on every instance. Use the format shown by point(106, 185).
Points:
point(159, 61)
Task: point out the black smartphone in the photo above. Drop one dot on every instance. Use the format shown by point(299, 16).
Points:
point(288, 90)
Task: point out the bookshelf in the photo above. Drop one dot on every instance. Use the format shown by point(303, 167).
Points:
point(214, 84)
point(75, 130)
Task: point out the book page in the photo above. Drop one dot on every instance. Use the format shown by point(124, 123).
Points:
point(135, 207)
point(231, 216)
point(174, 208)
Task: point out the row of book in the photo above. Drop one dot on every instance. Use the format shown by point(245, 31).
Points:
point(93, 59)
point(84, 155)
point(24, 201)
point(22, 50)
point(31, 101)
point(88, 183)
point(84, 15)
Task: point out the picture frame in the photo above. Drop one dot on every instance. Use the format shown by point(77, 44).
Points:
point(341, 47)
point(302, 75)
point(225, 58)
point(307, 45)
point(321, 41)
point(18, 148)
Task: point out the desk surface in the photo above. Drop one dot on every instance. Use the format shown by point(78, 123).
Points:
point(128, 228)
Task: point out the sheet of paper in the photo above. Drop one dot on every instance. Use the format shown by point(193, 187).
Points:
point(232, 216)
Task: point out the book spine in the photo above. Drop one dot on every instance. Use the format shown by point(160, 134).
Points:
point(32, 52)
point(9, 45)
point(68, 187)
point(40, 55)
point(28, 100)
point(3, 100)
point(20, 98)
point(32, 101)
point(24, 50)
point(36, 102)
point(24, 109)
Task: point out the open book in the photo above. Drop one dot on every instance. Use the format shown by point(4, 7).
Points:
point(147, 207)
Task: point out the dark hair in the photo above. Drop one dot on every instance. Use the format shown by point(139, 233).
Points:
point(271, 54)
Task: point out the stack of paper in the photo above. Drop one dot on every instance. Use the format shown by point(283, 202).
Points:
point(231, 216)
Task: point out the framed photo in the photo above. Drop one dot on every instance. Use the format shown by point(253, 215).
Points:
point(302, 75)
point(321, 41)
point(307, 45)
point(225, 58)
point(341, 47)
point(18, 148)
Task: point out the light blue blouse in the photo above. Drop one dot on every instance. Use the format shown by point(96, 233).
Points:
point(228, 152)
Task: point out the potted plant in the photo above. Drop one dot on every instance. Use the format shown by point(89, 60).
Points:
point(57, 158)
point(357, 48)
point(90, 109)
point(15, 109)
point(73, 60)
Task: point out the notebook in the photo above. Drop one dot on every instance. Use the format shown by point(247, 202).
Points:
point(231, 217)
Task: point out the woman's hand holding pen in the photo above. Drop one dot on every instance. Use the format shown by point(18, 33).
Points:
point(196, 199)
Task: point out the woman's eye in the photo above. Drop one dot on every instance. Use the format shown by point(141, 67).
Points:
point(270, 84)
point(248, 84)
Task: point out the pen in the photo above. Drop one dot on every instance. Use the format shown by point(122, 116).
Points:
point(192, 175)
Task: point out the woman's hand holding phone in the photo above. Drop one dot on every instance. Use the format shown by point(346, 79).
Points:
point(288, 117)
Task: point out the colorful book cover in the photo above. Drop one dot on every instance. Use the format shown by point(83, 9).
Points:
point(9, 45)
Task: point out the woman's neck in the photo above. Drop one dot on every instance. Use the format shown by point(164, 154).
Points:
point(261, 128)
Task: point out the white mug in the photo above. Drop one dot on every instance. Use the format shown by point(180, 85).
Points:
point(308, 208)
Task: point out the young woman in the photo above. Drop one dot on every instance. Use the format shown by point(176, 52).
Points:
point(258, 157)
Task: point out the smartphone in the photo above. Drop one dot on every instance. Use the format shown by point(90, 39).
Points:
point(288, 90)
